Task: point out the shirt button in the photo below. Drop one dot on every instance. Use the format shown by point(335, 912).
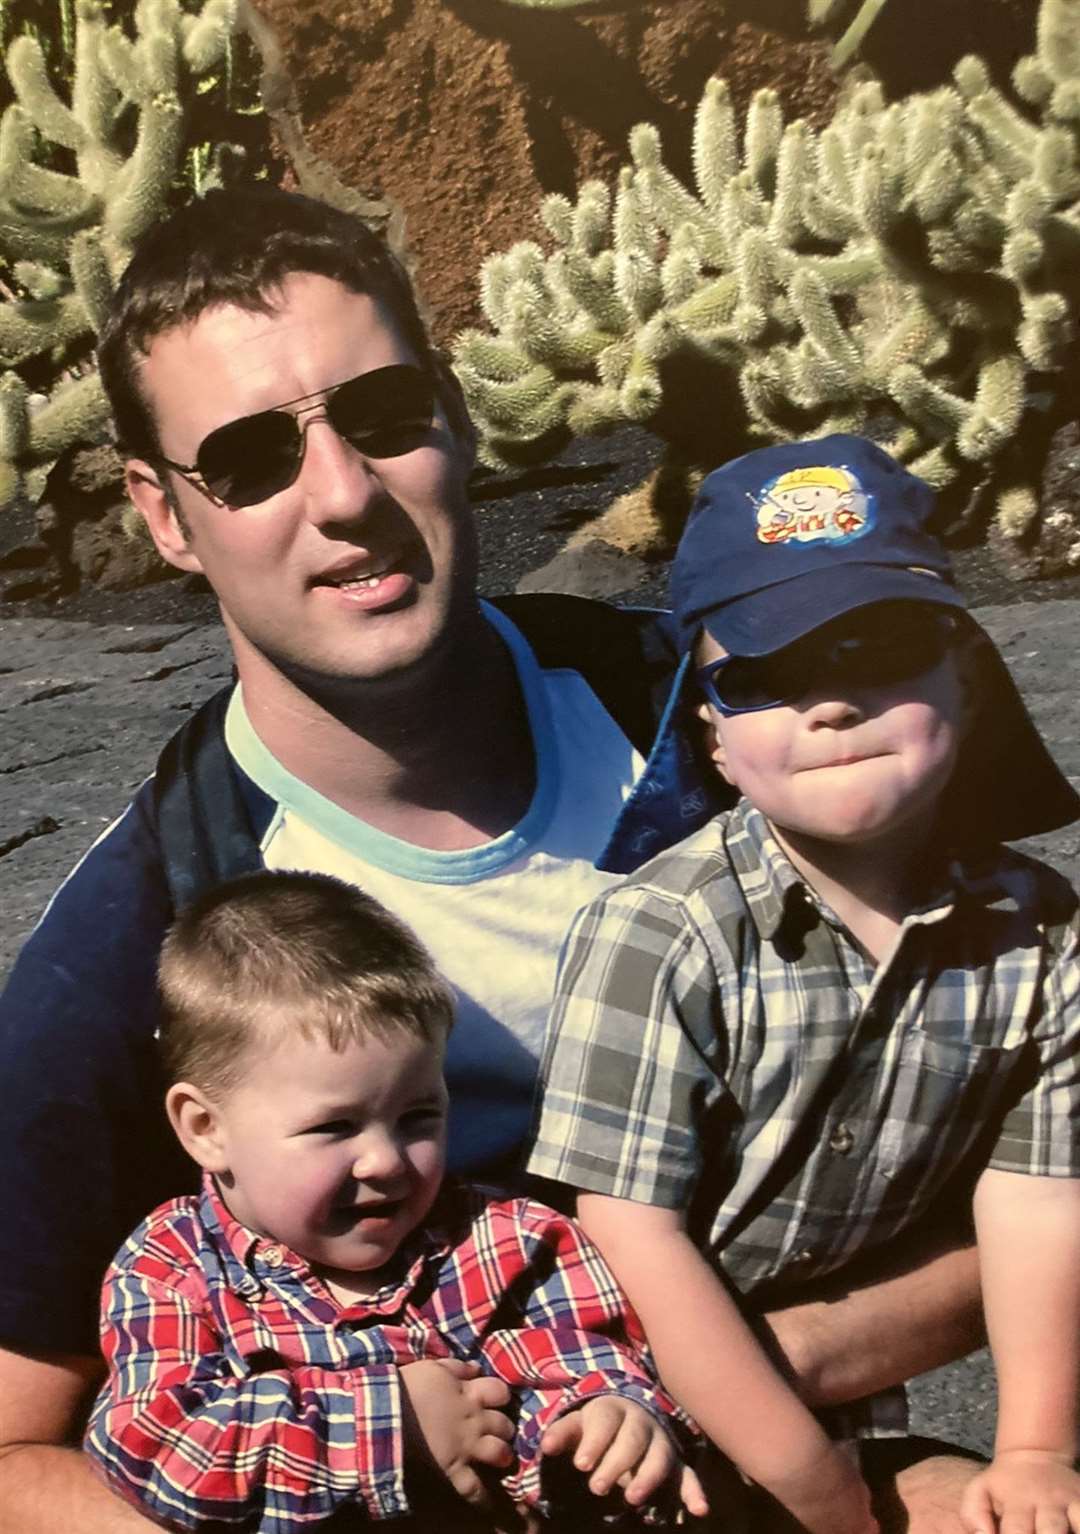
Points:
point(272, 1255)
point(806, 1255)
point(841, 1140)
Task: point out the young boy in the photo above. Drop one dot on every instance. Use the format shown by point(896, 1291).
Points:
point(296, 1341)
point(813, 1025)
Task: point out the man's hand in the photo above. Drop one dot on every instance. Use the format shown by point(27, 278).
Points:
point(1024, 1491)
point(455, 1422)
point(616, 1442)
point(827, 1495)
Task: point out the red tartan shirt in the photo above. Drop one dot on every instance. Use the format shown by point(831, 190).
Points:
point(240, 1390)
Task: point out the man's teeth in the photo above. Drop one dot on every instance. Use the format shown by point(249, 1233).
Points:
point(360, 583)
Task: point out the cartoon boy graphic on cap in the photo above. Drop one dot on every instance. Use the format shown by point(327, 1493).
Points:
point(822, 501)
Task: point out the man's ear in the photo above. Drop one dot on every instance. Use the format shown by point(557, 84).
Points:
point(714, 744)
point(157, 509)
point(197, 1125)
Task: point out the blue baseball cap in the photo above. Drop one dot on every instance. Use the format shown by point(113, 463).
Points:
point(784, 539)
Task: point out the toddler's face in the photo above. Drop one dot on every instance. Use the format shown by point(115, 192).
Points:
point(336, 1154)
point(847, 761)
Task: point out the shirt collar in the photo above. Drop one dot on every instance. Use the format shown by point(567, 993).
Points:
point(251, 1260)
point(770, 884)
point(776, 893)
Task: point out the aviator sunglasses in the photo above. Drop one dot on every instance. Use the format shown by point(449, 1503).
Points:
point(894, 643)
point(383, 414)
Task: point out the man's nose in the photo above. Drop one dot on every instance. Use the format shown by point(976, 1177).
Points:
point(339, 484)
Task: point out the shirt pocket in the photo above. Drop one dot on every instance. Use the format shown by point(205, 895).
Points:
point(943, 1097)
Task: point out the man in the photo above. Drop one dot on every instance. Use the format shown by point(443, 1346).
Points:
point(289, 433)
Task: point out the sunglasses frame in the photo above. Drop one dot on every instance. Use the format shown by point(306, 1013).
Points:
point(945, 620)
point(295, 408)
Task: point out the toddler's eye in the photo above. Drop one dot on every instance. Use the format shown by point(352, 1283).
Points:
point(331, 1127)
point(417, 1120)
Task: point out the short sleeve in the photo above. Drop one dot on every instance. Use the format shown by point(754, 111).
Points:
point(625, 1074)
point(1041, 1134)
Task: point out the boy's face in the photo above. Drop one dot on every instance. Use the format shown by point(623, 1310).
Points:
point(845, 762)
point(336, 1154)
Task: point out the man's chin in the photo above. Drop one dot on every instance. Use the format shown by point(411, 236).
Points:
point(400, 651)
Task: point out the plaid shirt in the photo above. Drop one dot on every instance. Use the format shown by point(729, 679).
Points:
point(720, 1043)
point(240, 1391)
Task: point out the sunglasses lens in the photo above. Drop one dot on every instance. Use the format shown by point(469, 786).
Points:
point(891, 644)
point(746, 682)
point(251, 459)
point(896, 647)
point(384, 413)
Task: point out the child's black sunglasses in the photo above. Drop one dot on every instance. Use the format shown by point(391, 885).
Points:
point(879, 646)
point(383, 414)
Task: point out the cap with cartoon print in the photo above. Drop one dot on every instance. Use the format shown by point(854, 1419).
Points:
point(784, 539)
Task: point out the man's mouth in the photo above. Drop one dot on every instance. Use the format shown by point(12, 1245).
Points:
point(367, 584)
point(358, 576)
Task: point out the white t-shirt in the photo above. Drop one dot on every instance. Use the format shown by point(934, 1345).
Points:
point(493, 916)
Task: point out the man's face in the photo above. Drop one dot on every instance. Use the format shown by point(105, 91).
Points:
point(360, 567)
point(846, 763)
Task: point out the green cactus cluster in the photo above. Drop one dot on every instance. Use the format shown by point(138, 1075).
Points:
point(912, 269)
point(84, 171)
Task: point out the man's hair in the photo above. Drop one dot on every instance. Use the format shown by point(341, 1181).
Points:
point(271, 952)
point(237, 247)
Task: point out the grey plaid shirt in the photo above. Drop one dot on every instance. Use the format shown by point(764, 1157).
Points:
point(720, 1043)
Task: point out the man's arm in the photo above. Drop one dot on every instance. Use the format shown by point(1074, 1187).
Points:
point(47, 1487)
point(845, 1341)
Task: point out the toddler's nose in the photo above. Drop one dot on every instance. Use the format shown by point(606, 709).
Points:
point(378, 1158)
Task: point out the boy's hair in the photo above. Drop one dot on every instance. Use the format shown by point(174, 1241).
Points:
point(304, 951)
point(236, 247)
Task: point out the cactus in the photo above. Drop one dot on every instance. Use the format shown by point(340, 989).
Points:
point(912, 270)
point(66, 234)
point(821, 13)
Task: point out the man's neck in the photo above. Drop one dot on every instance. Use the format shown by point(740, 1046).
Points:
point(871, 886)
point(445, 762)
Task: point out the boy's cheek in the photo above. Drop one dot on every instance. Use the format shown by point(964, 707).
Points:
point(714, 740)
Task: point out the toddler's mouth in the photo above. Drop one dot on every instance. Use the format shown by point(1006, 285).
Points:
point(347, 1216)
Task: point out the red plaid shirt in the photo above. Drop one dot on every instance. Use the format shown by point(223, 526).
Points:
point(241, 1391)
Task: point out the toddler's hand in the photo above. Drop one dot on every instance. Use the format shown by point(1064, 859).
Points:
point(827, 1496)
point(455, 1422)
point(616, 1442)
point(1024, 1491)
